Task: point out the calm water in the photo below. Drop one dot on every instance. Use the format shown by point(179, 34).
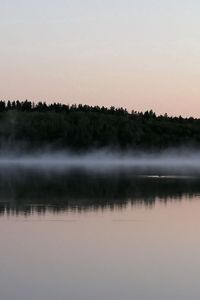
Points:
point(80, 236)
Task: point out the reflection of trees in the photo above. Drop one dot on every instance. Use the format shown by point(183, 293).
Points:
point(28, 192)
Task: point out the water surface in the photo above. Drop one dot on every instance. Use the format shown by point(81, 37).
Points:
point(82, 236)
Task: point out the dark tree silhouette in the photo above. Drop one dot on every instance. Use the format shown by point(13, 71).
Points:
point(81, 127)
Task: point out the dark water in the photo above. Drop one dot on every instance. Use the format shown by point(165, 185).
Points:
point(85, 236)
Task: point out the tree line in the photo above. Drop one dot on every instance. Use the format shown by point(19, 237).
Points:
point(83, 127)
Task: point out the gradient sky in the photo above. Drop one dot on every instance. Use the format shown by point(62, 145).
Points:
point(140, 54)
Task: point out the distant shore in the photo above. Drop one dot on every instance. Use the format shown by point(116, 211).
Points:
point(76, 128)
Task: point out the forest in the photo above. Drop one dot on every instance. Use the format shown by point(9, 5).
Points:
point(83, 127)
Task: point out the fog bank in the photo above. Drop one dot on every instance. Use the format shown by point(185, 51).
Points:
point(104, 161)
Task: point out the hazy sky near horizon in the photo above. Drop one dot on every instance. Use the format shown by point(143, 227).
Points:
point(139, 54)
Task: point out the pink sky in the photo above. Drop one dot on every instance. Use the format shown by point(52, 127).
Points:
point(141, 55)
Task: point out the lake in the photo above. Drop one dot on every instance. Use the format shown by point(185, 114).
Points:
point(81, 235)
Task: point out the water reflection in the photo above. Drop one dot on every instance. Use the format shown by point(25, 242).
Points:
point(26, 192)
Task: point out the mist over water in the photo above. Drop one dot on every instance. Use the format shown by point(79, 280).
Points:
point(172, 161)
point(58, 181)
point(94, 226)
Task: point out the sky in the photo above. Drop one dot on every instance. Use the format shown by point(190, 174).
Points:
point(138, 54)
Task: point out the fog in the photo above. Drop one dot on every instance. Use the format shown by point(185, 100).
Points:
point(106, 160)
